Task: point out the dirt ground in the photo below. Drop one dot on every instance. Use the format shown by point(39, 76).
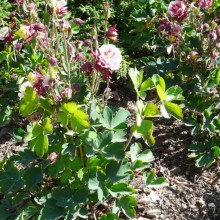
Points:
point(193, 193)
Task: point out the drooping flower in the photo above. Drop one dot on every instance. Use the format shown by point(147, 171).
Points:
point(108, 57)
point(111, 33)
point(87, 67)
point(53, 61)
point(26, 32)
point(76, 87)
point(79, 57)
point(78, 21)
point(192, 56)
point(87, 42)
point(177, 10)
point(164, 24)
point(205, 4)
point(59, 7)
point(65, 25)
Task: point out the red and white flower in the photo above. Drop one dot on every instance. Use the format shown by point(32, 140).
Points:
point(177, 10)
point(6, 34)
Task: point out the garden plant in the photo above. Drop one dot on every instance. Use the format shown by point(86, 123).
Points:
point(79, 154)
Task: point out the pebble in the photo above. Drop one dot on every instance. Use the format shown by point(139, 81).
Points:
point(211, 205)
point(154, 197)
point(152, 213)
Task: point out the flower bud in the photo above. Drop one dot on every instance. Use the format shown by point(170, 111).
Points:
point(78, 44)
point(205, 27)
point(39, 27)
point(112, 33)
point(13, 14)
point(78, 21)
point(79, 57)
point(213, 35)
point(52, 157)
point(53, 61)
point(31, 6)
point(76, 87)
point(87, 43)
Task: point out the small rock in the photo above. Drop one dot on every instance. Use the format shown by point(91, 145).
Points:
point(152, 213)
point(144, 200)
point(211, 205)
point(154, 197)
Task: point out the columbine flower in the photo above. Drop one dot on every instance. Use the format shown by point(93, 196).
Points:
point(192, 56)
point(177, 10)
point(59, 7)
point(205, 27)
point(4, 33)
point(78, 21)
point(111, 33)
point(218, 31)
point(87, 67)
point(67, 93)
point(79, 57)
point(78, 44)
point(17, 45)
point(205, 4)
point(76, 87)
point(108, 58)
point(213, 35)
point(26, 32)
point(52, 157)
point(65, 25)
point(165, 25)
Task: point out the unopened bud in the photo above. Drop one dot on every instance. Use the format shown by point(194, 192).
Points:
point(112, 33)
point(79, 57)
point(78, 21)
point(53, 61)
point(76, 87)
point(53, 157)
point(87, 43)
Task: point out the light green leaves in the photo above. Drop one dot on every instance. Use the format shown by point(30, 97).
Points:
point(145, 130)
point(169, 108)
point(77, 118)
point(29, 103)
point(127, 204)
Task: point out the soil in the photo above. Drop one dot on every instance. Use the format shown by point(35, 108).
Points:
point(193, 193)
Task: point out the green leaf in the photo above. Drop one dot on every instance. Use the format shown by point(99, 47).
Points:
point(114, 150)
point(136, 77)
point(56, 168)
point(117, 171)
point(120, 117)
point(151, 110)
point(157, 80)
point(4, 213)
point(161, 93)
point(47, 106)
point(51, 211)
point(109, 216)
point(127, 203)
point(80, 196)
point(96, 182)
point(122, 189)
point(79, 120)
point(174, 93)
point(63, 119)
point(150, 180)
point(32, 176)
point(107, 117)
point(29, 103)
point(149, 177)
point(174, 110)
point(147, 85)
point(145, 130)
point(62, 196)
point(48, 127)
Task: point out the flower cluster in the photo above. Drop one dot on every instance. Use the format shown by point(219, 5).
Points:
point(6, 34)
point(38, 81)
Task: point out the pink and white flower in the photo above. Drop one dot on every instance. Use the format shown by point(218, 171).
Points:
point(5, 33)
point(52, 157)
point(108, 57)
point(177, 10)
point(205, 4)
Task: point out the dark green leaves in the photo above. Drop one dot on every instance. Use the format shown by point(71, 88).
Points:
point(113, 121)
point(151, 181)
point(127, 204)
point(32, 176)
